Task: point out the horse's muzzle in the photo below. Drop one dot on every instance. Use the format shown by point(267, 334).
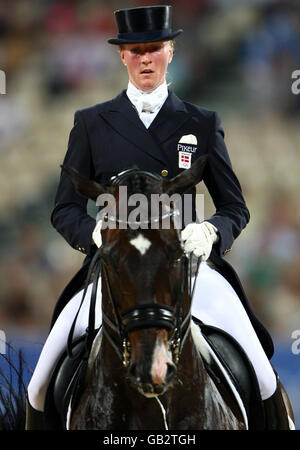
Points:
point(148, 385)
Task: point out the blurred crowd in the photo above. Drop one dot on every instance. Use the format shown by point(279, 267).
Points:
point(253, 44)
point(236, 57)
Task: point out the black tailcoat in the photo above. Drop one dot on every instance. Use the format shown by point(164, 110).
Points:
point(110, 137)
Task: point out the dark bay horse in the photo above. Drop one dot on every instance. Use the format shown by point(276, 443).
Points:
point(147, 371)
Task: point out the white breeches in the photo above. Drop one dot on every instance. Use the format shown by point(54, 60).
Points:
point(215, 303)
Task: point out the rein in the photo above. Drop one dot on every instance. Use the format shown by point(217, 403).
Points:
point(95, 266)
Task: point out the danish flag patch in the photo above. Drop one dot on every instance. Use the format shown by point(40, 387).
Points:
point(185, 160)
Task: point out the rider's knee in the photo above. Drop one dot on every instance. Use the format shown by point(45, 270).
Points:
point(36, 395)
point(267, 383)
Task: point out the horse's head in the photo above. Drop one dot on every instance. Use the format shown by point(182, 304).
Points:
point(145, 304)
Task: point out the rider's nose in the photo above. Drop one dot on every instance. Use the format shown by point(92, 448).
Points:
point(146, 58)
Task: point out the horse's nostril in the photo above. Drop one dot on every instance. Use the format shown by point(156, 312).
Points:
point(171, 371)
point(148, 387)
point(132, 369)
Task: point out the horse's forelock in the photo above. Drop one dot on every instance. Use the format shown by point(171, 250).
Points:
point(140, 183)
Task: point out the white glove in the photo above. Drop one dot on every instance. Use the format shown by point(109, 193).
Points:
point(199, 238)
point(97, 238)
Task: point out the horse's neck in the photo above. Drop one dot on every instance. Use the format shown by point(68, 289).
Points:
point(191, 358)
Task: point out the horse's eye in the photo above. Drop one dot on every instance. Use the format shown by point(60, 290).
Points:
point(175, 260)
point(177, 253)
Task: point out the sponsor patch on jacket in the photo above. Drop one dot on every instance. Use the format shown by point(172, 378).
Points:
point(186, 146)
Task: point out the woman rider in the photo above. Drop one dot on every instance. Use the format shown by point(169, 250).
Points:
point(143, 126)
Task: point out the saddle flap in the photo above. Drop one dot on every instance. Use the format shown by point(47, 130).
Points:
point(65, 386)
point(239, 368)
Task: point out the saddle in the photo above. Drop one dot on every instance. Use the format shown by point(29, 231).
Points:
point(66, 386)
point(68, 378)
point(231, 357)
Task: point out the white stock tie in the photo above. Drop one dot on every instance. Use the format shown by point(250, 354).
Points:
point(147, 104)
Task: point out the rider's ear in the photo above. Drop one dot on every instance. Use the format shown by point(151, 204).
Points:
point(88, 188)
point(186, 179)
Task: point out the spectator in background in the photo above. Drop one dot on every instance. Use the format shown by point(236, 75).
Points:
point(273, 274)
point(16, 303)
point(26, 274)
point(76, 53)
point(271, 52)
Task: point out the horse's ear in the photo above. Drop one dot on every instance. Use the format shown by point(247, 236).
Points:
point(186, 179)
point(88, 188)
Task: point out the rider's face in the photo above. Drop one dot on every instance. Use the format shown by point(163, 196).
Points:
point(147, 63)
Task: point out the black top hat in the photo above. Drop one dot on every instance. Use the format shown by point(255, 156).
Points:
point(144, 24)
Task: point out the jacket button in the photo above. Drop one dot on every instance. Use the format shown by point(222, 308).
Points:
point(164, 172)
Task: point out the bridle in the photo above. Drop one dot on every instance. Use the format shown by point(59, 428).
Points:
point(150, 315)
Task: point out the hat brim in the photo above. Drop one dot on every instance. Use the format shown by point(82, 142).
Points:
point(139, 38)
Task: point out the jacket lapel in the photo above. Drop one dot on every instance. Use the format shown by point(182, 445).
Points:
point(172, 116)
point(121, 115)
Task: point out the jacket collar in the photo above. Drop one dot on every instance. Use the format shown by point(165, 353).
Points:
point(121, 115)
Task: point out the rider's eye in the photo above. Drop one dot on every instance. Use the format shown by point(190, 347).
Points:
point(139, 51)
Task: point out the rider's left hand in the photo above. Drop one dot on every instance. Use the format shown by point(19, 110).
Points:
point(199, 238)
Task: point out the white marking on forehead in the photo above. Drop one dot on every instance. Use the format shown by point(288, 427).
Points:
point(141, 243)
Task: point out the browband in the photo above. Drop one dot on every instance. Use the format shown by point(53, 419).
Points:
point(117, 179)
